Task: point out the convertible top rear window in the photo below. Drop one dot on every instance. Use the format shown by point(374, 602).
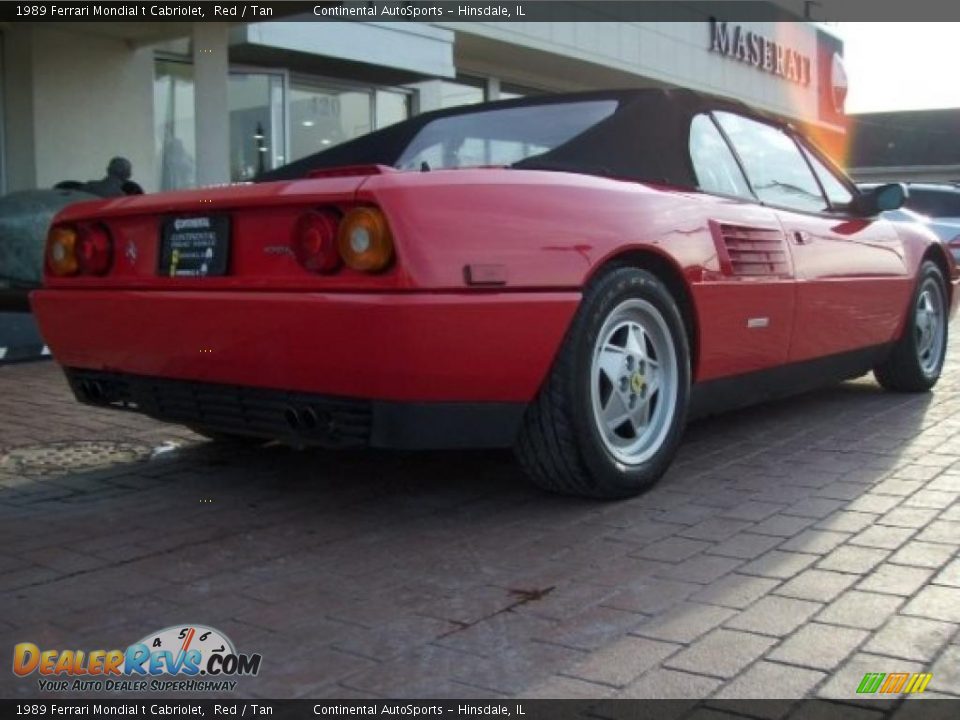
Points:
point(501, 136)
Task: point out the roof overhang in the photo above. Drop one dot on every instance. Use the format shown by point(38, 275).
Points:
point(378, 52)
point(136, 34)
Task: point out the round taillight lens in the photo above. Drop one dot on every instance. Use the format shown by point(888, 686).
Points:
point(315, 242)
point(94, 250)
point(62, 251)
point(365, 241)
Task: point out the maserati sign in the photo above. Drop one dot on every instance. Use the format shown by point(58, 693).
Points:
point(748, 47)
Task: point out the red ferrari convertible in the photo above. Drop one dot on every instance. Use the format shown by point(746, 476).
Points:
point(573, 275)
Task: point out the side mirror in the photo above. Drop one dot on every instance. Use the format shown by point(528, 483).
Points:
point(881, 198)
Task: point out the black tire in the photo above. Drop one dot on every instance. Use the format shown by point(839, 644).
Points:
point(560, 444)
point(908, 368)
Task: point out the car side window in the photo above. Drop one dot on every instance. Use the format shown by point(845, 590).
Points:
point(777, 171)
point(838, 194)
point(715, 166)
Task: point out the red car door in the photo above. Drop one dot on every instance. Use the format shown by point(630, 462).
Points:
point(852, 282)
point(748, 286)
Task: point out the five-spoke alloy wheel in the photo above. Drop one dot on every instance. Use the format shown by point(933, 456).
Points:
point(634, 375)
point(608, 419)
point(930, 326)
point(916, 360)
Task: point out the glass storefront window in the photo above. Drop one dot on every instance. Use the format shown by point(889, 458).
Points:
point(464, 91)
point(273, 121)
point(392, 106)
point(511, 92)
point(257, 137)
point(321, 117)
point(174, 128)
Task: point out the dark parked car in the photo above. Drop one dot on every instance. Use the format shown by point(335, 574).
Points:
point(24, 220)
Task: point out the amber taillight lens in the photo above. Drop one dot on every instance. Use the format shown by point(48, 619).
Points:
point(315, 241)
point(365, 241)
point(94, 249)
point(62, 251)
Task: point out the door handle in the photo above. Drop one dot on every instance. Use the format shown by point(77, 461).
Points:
point(801, 237)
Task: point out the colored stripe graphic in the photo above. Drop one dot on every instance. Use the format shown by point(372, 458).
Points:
point(894, 683)
point(918, 683)
point(871, 682)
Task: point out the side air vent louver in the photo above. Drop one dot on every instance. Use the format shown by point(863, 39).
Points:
point(751, 251)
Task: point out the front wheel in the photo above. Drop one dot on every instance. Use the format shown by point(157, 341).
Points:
point(609, 418)
point(916, 361)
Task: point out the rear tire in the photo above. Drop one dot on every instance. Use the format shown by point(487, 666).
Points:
point(917, 358)
point(609, 417)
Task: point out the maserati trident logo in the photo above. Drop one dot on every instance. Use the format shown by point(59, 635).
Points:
point(839, 83)
point(131, 252)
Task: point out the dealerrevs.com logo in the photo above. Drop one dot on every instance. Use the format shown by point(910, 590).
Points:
point(181, 658)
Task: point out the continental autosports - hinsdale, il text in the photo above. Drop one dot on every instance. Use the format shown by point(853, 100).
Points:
point(414, 710)
point(410, 11)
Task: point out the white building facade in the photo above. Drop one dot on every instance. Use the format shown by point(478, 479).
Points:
point(200, 103)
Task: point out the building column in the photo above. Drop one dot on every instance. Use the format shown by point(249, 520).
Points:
point(212, 114)
point(428, 96)
point(493, 89)
point(19, 136)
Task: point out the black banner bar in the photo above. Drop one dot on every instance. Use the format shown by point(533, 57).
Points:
point(473, 11)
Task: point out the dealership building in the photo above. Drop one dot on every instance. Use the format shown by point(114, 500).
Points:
point(196, 103)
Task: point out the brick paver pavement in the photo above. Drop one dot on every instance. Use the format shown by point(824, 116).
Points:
point(791, 548)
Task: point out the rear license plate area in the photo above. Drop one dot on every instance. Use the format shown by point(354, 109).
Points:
point(197, 246)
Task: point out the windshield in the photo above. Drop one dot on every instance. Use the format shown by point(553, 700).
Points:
point(501, 137)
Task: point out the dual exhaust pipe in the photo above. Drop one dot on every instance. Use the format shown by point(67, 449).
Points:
point(306, 420)
point(94, 391)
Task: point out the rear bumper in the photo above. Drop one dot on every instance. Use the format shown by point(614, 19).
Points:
point(403, 347)
point(302, 419)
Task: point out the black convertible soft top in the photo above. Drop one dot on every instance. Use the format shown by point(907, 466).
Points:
point(644, 139)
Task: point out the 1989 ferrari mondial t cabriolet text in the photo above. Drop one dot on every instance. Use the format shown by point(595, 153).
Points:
point(572, 275)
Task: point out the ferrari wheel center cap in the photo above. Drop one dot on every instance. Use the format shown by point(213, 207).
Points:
point(637, 382)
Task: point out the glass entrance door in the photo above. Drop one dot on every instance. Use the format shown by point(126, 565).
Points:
point(174, 124)
point(257, 127)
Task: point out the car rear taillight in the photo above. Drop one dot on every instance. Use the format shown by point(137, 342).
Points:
point(365, 241)
point(62, 251)
point(315, 241)
point(79, 250)
point(94, 249)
